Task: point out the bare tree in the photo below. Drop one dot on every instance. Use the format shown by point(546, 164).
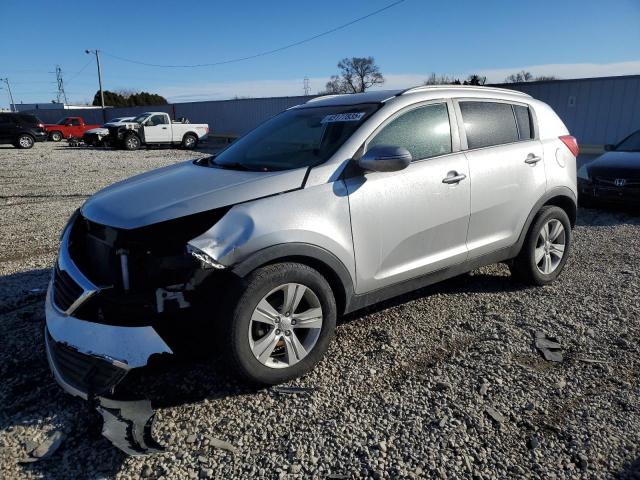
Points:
point(357, 74)
point(435, 79)
point(522, 76)
point(475, 79)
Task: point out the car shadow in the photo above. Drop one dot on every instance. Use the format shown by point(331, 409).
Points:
point(630, 471)
point(608, 216)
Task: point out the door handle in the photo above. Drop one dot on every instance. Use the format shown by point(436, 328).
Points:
point(164, 128)
point(454, 177)
point(532, 159)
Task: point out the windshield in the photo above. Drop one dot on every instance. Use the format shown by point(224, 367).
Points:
point(296, 138)
point(630, 144)
point(140, 118)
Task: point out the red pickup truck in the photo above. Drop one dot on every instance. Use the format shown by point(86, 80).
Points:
point(68, 127)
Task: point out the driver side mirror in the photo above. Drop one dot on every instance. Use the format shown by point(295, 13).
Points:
point(608, 147)
point(385, 158)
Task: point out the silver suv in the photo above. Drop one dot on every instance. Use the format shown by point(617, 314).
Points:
point(326, 208)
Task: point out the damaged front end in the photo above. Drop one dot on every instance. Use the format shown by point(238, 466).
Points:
point(117, 297)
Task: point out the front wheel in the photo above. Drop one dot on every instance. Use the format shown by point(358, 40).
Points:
point(56, 136)
point(131, 142)
point(281, 324)
point(545, 249)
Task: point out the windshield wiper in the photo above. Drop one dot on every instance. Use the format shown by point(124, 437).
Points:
point(228, 166)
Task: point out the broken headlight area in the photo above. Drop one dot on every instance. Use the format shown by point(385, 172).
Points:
point(146, 274)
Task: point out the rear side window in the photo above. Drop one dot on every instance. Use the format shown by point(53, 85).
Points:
point(424, 131)
point(5, 118)
point(488, 123)
point(29, 119)
point(523, 117)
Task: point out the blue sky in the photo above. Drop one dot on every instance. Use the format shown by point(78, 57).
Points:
point(564, 38)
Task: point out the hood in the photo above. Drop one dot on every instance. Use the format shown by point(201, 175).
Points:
point(616, 165)
point(183, 189)
point(98, 130)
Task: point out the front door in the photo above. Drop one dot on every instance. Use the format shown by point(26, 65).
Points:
point(412, 222)
point(157, 129)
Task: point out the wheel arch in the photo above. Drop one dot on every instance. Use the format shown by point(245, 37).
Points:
point(562, 197)
point(327, 264)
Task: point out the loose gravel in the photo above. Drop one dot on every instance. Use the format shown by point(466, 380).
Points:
point(442, 383)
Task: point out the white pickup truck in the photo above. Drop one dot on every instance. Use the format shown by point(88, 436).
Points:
point(157, 128)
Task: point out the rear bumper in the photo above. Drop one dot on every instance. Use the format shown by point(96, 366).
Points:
point(39, 136)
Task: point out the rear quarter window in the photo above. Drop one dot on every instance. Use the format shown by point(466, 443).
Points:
point(30, 119)
point(525, 126)
point(488, 123)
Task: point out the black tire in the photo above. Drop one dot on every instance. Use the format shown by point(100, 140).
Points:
point(55, 136)
point(242, 305)
point(131, 142)
point(524, 267)
point(189, 141)
point(24, 141)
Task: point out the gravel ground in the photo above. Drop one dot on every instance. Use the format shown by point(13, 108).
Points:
point(445, 382)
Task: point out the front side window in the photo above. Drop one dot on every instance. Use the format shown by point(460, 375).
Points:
point(157, 120)
point(425, 132)
point(299, 137)
point(75, 122)
point(488, 124)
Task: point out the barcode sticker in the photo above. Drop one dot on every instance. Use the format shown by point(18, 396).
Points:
point(343, 117)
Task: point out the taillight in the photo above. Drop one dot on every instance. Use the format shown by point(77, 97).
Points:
point(571, 143)
point(41, 125)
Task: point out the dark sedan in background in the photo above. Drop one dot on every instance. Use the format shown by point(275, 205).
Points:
point(614, 177)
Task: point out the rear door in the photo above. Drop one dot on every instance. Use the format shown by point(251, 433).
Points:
point(409, 223)
point(506, 169)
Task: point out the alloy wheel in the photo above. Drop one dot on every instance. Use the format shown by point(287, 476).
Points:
point(550, 246)
point(285, 325)
point(25, 142)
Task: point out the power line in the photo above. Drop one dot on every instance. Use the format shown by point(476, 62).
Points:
point(79, 71)
point(261, 54)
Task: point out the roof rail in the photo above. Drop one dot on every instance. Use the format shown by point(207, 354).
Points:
point(322, 97)
point(478, 88)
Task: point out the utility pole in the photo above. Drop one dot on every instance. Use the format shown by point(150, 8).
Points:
point(61, 93)
point(307, 88)
point(13, 104)
point(97, 54)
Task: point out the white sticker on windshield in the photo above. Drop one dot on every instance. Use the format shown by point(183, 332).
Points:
point(344, 117)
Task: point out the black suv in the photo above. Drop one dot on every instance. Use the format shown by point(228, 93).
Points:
point(21, 130)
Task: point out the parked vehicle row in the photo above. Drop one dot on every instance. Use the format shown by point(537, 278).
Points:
point(130, 133)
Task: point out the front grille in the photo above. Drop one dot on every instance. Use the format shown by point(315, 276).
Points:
point(84, 372)
point(65, 289)
point(611, 182)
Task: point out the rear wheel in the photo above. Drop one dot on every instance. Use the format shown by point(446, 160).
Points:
point(545, 249)
point(189, 141)
point(131, 142)
point(56, 136)
point(281, 324)
point(24, 141)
